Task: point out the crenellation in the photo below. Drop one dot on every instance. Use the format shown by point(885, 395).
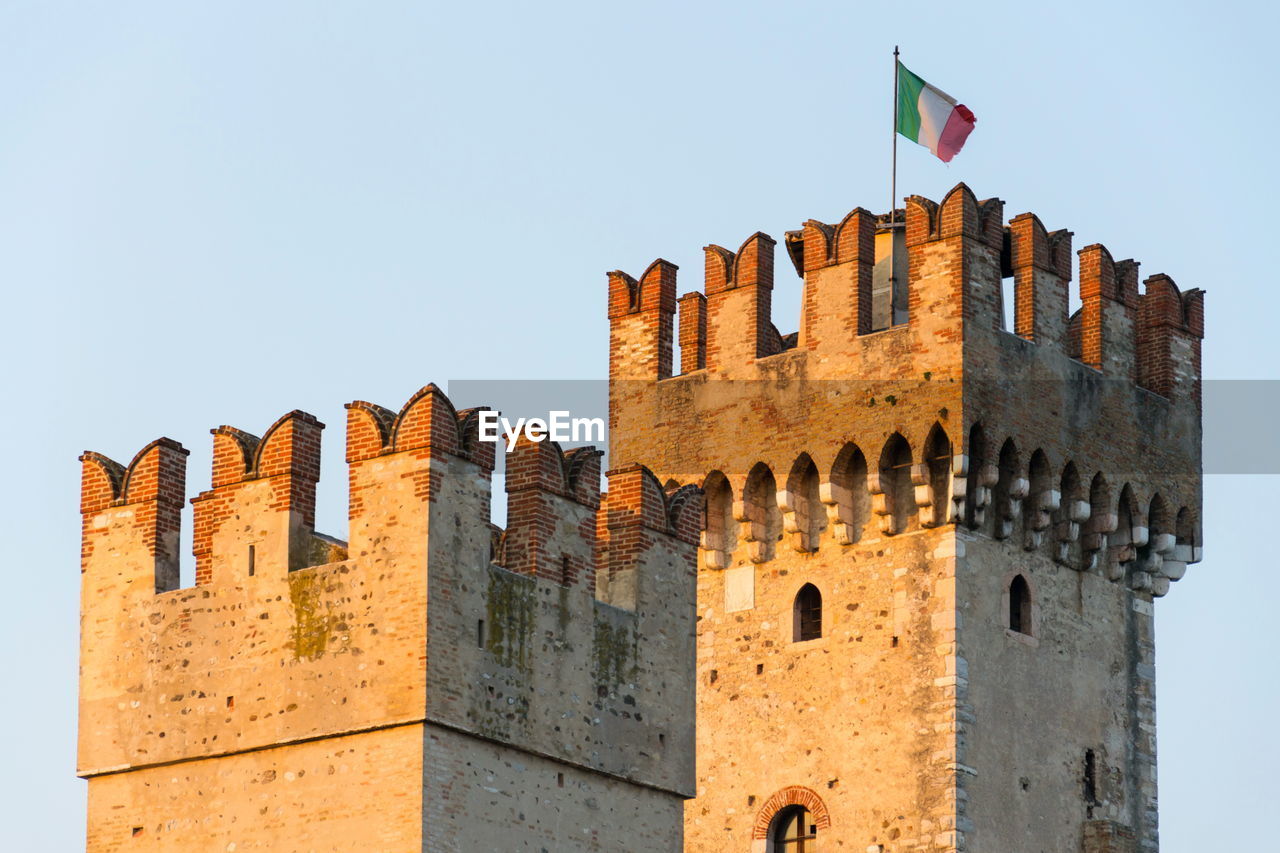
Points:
point(739, 290)
point(414, 630)
point(641, 316)
point(1126, 272)
point(909, 537)
point(273, 479)
point(956, 255)
point(1041, 267)
point(910, 475)
point(427, 422)
point(693, 332)
point(1170, 326)
point(140, 505)
point(1108, 313)
point(552, 501)
point(837, 264)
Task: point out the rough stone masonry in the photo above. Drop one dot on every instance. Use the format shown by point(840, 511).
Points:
point(883, 584)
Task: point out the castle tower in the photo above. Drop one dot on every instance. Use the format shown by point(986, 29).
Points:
point(434, 684)
point(934, 536)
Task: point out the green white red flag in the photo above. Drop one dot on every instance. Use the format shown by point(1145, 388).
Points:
point(929, 116)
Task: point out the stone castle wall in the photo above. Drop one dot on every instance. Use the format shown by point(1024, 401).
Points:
point(987, 508)
point(910, 472)
point(386, 690)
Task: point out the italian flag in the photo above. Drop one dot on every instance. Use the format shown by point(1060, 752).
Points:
point(931, 117)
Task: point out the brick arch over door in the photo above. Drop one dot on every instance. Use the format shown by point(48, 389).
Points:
point(793, 795)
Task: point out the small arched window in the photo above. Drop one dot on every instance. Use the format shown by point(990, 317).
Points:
point(808, 614)
point(793, 831)
point(1020, 605)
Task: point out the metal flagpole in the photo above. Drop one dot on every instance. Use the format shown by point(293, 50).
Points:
point(893, 191)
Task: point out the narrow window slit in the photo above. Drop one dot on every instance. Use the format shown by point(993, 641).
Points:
point(1090, 779)
point(1020, 605)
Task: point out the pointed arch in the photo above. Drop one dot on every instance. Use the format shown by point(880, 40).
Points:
point(1187, 529)
point(1010, 489)
point(1123, 544)
point(720, 528)
point(1102, 519)
point(847, 496)
point(979, 490)
point(1127, 517)
point(803, 516)
point(937, 470)
point(1073, 511)
point(1100, 497)
point(895, 488)
point(1071, 487)
point(1186, 547)
point(759, 514)
point(1160, 520)
point(1043, 499)
point(686, 513)
point(1159, 546)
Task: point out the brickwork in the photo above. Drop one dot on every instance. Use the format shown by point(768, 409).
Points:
point(908, 584)
point(309, 693)
point(910, 474)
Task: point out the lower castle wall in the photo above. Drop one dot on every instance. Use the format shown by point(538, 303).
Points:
point(545, 666)
point(481, 797)
point(1038, 703)
point(368, 792)
point(356, 793)
point(861, 721)
point(223, 668)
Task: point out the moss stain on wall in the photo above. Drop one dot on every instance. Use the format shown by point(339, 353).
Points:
point(614, 649)
point(313, 623)
point(509, 617)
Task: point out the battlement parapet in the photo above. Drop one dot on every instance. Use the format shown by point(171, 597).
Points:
point(641, 314)
point(1110, 394)
point(1142, 532)
point(956, 257)
point(152, 484)
point(427, 421)
point(568, 636)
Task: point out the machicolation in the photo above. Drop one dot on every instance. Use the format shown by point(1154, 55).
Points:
point(907, 593)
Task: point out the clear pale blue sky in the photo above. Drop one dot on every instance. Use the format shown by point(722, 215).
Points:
point(214, 213)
